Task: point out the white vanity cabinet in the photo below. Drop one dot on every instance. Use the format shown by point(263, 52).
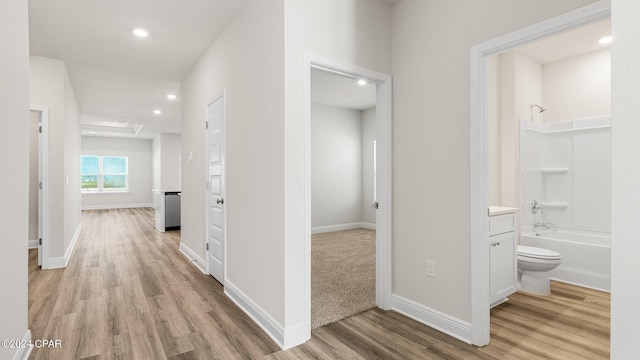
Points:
point(503, 260)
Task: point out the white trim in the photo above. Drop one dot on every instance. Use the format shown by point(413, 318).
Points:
point(342, 227)
point(272, 327)
point(440, 321)
point(22, 353)
point(479, 149)
point(286, 338)
point(384, 175)
point(193, 257)
point(43, 164)
point(118, 206)
point(33, 244)
point(62, 262)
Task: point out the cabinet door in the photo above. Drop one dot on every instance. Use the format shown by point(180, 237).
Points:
point(504, 266)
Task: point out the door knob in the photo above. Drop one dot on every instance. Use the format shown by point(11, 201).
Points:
point(220, 201)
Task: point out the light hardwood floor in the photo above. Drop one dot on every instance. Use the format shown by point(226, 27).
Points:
point(128, 293)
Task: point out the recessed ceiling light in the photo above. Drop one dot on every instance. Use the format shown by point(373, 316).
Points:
point(140, 32)
point(362, 82)
point(171, 96)
point(157, 112)
point(605, 40)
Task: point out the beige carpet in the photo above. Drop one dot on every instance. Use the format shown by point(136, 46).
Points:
point(343, 275)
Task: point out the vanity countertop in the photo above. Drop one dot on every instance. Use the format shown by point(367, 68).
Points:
point(501, 210)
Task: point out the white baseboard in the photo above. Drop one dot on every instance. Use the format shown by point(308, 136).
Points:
point(447, 324)
point(342, 227)
point(285, 338)
point(193, 257)
point(33, 244)
point(117, 206)
point(61, 262)
point(22, 353)
point(366, 225)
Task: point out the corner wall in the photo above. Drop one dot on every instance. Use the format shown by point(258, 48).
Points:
point(431, 139)
point(625, 132)
point(50, 86)
point(356, 32)
point(14, 144)
point(246, 63)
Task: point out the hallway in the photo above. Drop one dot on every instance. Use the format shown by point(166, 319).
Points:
point(129, 293)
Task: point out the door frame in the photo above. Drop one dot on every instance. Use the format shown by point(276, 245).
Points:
point(43, 194)
point(383, 178)
point(221, 95)
point(479, 148)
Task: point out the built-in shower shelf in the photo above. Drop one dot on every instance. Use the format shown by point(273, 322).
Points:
point(554, 171)
point(556, 205)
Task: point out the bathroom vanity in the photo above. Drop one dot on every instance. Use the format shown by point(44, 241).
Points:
point(502, 247)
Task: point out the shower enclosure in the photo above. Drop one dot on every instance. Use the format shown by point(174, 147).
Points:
point(565, 194)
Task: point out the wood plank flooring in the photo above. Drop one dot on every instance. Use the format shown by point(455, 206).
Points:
point(128, 293)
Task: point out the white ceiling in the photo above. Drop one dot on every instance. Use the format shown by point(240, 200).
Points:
point(116, 76)
point(572, 43)
point(341, 91)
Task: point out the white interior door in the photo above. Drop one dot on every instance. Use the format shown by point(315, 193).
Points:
point(215, 189)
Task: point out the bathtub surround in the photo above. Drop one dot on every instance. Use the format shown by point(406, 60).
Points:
point(565, 168)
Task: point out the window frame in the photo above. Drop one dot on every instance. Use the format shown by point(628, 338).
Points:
point(100, 175)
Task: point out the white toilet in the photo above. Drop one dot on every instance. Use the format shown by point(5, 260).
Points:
point(534, 265)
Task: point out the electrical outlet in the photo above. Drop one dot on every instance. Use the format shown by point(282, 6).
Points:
point(431, 268)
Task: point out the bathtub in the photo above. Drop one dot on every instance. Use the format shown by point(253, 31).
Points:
point(586, 256)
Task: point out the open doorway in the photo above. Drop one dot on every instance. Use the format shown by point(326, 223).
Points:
point(38, 183)
point(343, 201)
point(481, 148)
point(381, 188)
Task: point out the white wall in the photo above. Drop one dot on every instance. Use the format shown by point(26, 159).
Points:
point(368, 136)
point(431, 138)
point(336, 170)
point(170, 162)
point(14, 142)
point(520, 86)
point(578, 87)
point(353, 31)
point(72, 199)
point(166, 162)
point(50, 86)
point(625, 287)
point(140, 171)
point(246, 61)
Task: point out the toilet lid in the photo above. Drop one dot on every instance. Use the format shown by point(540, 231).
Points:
point(538, 253)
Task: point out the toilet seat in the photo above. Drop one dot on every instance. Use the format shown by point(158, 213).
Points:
point(537, 253)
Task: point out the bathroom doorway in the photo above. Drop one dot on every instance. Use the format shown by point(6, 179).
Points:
point(484, 178)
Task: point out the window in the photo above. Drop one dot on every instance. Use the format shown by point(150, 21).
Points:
point(104, 173)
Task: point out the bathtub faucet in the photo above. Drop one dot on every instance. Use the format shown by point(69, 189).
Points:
point(541, 225)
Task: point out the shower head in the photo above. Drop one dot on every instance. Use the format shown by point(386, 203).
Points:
point(540, 108)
